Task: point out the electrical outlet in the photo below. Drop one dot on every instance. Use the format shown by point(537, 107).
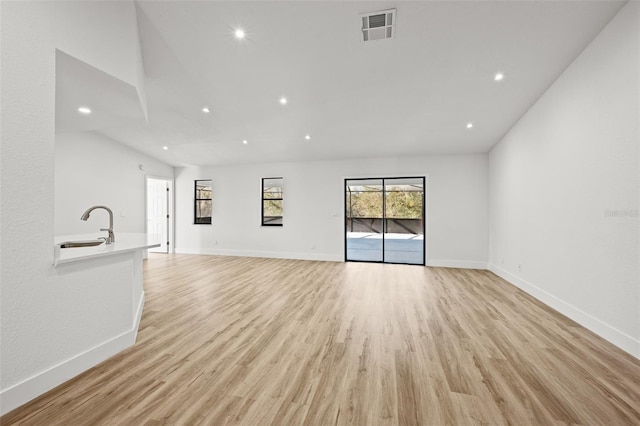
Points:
point(519, 267)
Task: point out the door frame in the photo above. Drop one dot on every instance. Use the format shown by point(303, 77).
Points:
point(170, 209)
point(425, 220)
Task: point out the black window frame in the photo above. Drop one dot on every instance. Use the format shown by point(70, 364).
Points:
point(263, 199)
point(348, 210)
point(199, 220)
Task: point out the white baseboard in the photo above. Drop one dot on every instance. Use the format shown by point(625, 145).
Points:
point(463, 264)
point(266, 254)
point(620, 339)
point(21, 393)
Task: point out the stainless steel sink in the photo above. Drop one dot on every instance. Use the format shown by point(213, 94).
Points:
point(86, 243)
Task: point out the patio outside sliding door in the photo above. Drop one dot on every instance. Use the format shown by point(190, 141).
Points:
point(385, 220)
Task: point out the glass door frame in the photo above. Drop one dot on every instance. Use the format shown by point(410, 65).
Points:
point(384, 218)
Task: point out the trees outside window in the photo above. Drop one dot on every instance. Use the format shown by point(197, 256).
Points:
point(272, 200)
point(202, 202)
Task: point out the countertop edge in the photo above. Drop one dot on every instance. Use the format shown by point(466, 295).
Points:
point(127, 243)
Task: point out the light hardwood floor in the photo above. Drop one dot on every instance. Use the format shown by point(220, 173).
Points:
point(227, 340)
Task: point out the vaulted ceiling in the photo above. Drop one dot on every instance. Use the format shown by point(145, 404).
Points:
point(413, 94)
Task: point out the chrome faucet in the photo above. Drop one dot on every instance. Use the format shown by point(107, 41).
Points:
point(86, 214)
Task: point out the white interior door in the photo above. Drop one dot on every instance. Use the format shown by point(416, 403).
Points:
point(158, 211)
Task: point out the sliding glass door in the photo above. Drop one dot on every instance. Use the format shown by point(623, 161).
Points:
point(385, 220)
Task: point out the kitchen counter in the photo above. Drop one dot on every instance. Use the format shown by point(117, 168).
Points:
point(125, 242)
point(104, 286)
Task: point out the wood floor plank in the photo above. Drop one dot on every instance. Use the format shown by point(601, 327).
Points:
point(245, 341)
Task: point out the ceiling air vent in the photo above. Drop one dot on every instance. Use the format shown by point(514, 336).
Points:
point(378, 25)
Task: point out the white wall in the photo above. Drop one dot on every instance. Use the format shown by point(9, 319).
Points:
point(46, 321)
point(456, 205)
point(106, 36)
point(564, 185)
point(91, 169)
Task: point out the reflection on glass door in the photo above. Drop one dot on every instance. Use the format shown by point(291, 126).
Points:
point(385, 220)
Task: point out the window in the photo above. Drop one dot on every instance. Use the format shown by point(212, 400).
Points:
point(202, 207)
point(272, 201)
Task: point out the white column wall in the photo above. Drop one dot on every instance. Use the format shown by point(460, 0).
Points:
point(52, 327)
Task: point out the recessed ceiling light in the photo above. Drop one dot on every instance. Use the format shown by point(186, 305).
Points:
point(239, 33)
point(84, 110)
point(245, 142)
point(498, 77)
point(307, 137)
point(165, 147)
point(206, 109)
point(469, 125)
point(283, 100)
